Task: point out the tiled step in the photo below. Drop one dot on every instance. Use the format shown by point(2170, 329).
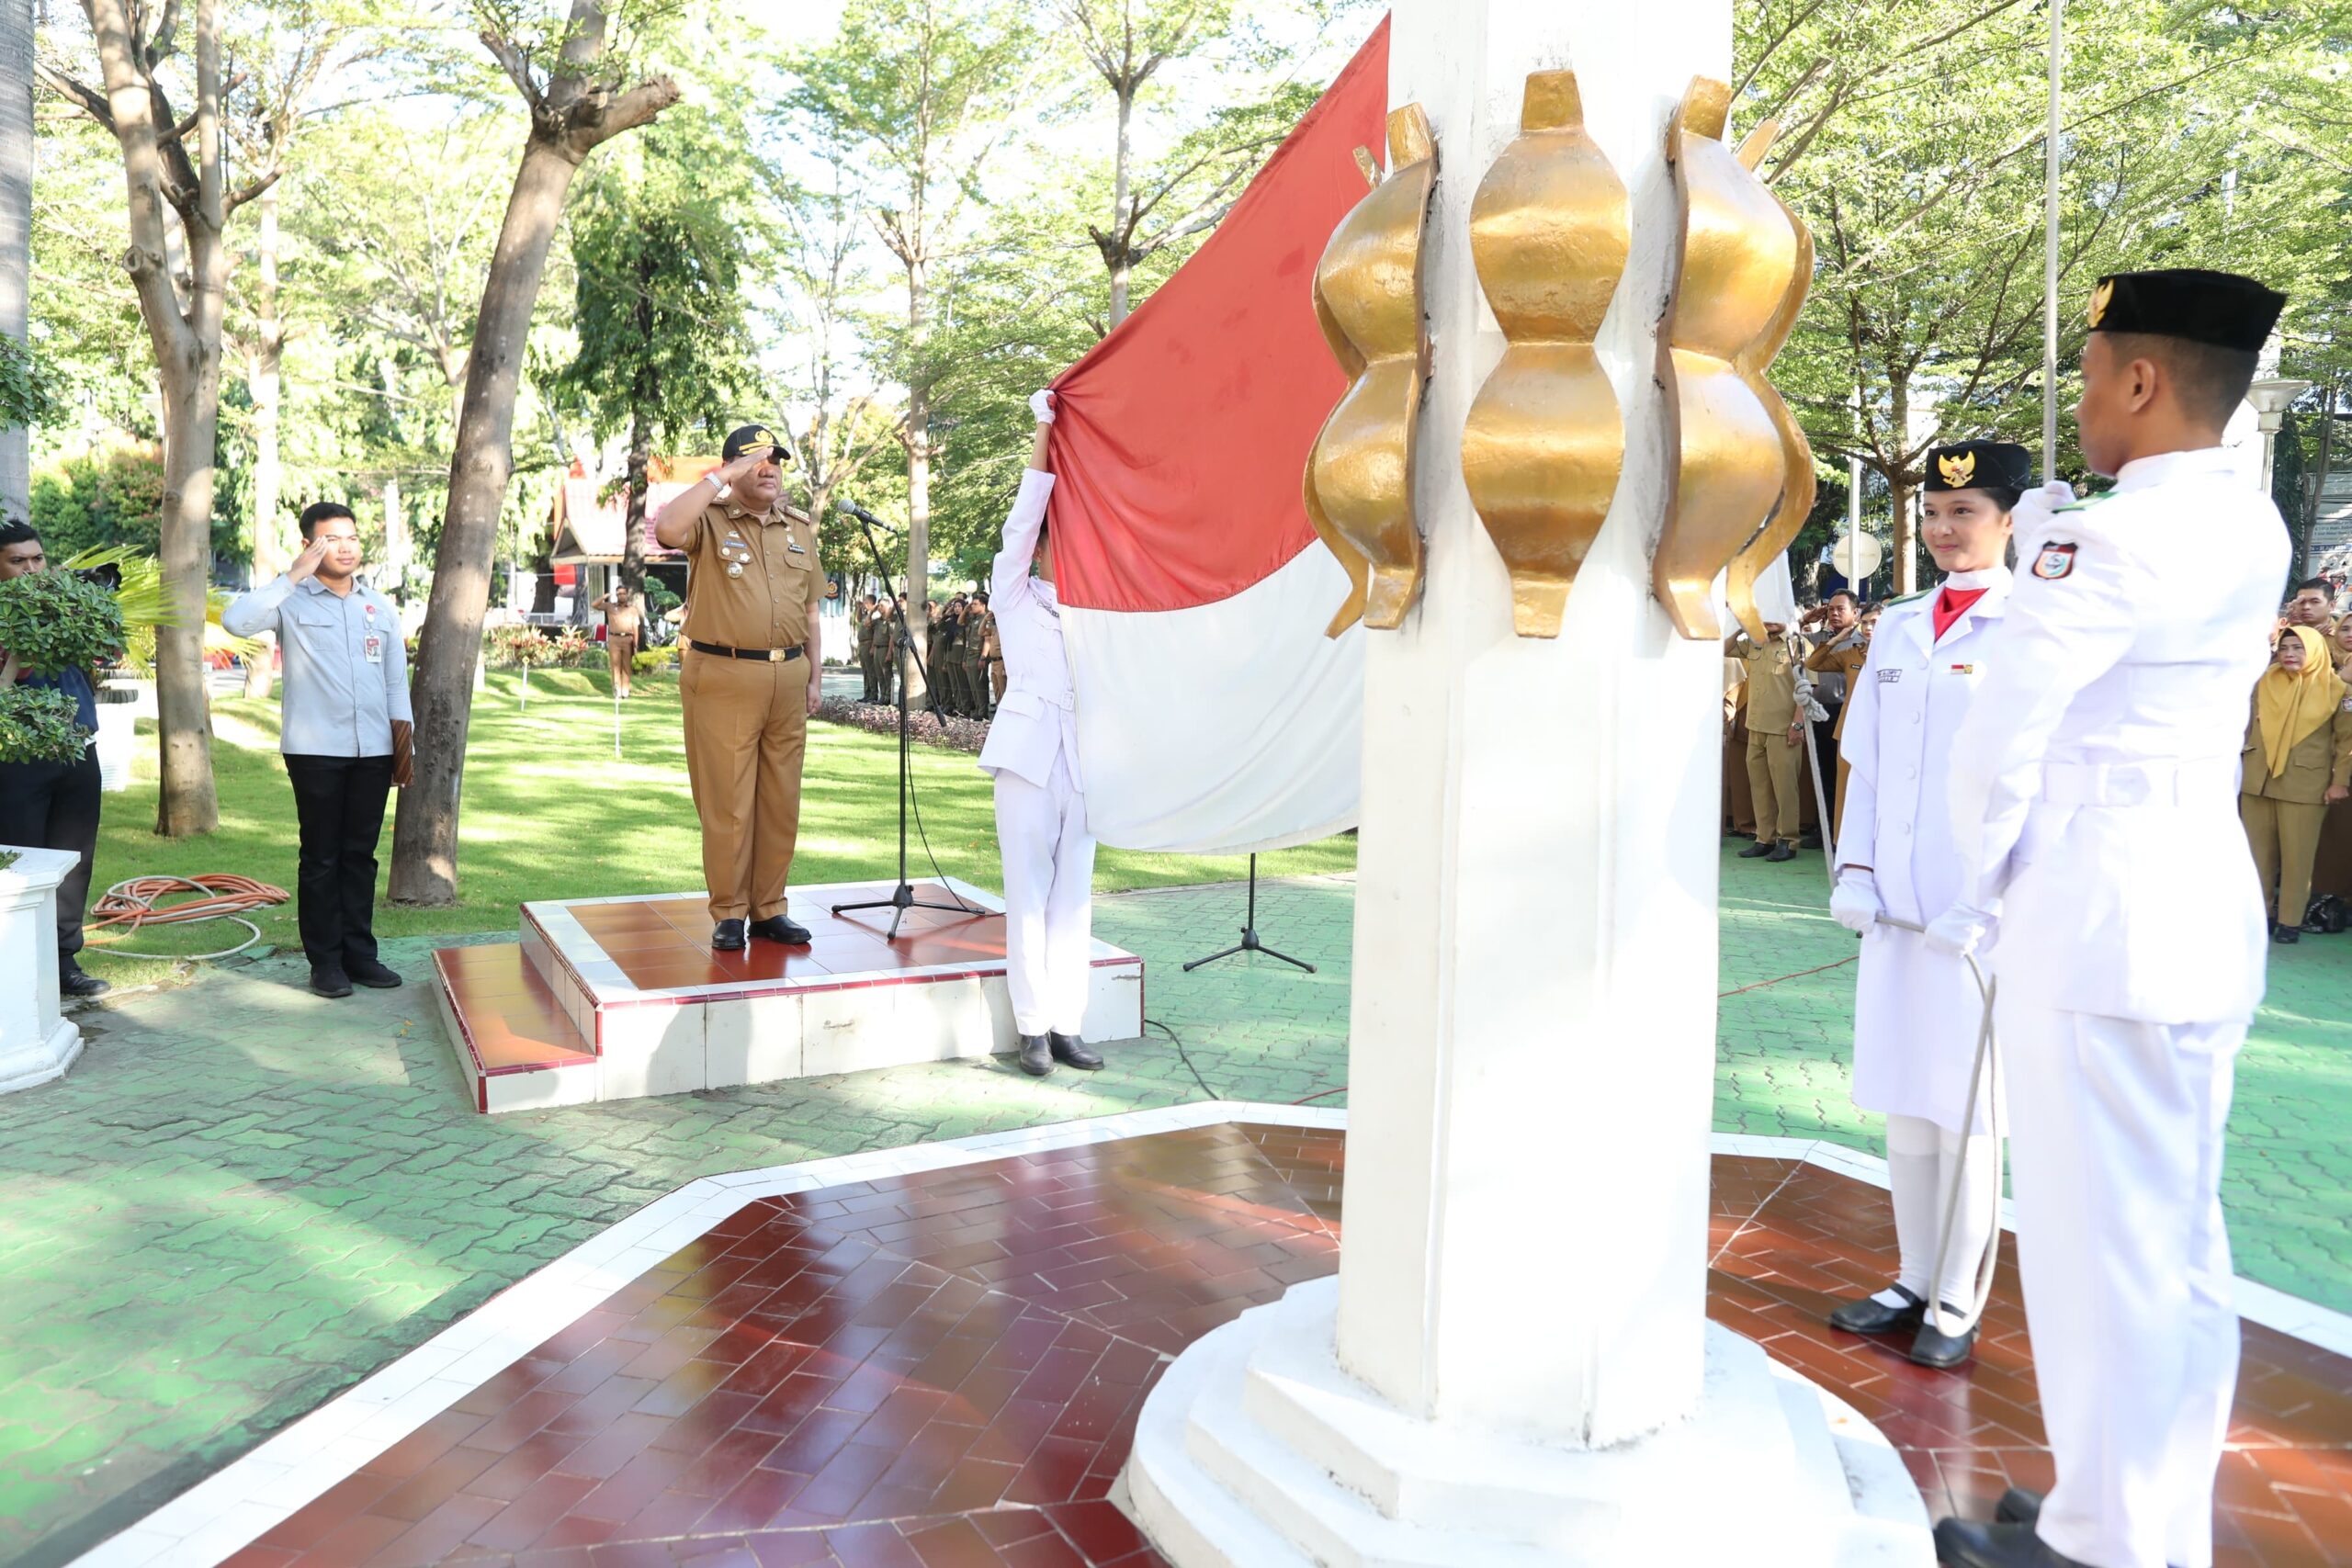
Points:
point(515, 1043)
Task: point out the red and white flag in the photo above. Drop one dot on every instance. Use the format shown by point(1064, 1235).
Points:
point(1213, 712)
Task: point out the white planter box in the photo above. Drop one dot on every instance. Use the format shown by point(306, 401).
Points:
point(36, 1045)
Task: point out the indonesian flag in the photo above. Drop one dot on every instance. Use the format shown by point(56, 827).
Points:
point(1213, 712)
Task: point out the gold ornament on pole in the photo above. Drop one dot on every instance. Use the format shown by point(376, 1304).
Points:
point(1736, 267)
point(1545, 442)
point(1359, 486)
point(1796, 453)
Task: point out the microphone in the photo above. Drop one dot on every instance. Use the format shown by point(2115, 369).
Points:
point(851, 509)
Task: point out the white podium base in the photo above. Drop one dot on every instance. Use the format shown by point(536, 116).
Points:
point(43, 1061)
point(1256, 1450)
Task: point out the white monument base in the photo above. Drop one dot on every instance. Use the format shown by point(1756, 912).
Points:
point(36, 1045)
point(1256, 1450)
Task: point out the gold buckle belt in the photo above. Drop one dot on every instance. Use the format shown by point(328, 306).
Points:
point(766, 655)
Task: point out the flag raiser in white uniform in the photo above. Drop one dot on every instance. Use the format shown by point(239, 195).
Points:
point(2093, 800)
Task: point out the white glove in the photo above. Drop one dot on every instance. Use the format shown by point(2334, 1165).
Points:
point(1961, 930)
point(2036, 507)
point(1041, 403)
point(1853, 903)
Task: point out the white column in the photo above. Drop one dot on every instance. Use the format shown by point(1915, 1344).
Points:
point(1531, 1068)
point(36, 1045)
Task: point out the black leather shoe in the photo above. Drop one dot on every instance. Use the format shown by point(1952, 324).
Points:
point(1934, 1347)
point(367, 972)
point(1036, 1055)
point(783, 929)
point(73, 982)
point(1870, 1315)
point(1069, 1048)
point(2284, 936)
point(1963, 1543)
point(726, 936)
point(1779, 853)
point(330, 982)
point(2019, 1506)
point(1758, 849)
point(1810, 841)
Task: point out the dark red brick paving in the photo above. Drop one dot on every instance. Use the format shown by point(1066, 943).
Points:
point(943, 1370)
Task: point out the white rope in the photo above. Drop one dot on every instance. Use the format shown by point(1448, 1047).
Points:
point(2050, 247)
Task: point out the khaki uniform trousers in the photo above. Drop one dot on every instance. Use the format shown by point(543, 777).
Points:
point(747, 730)
point(2285, 840)
point(622, 651)
point(1772, 781)
point(996, 678)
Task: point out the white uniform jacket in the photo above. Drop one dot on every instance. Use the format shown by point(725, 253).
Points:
point(1037, 717)
point(1917, 1011)
point(2095, 781)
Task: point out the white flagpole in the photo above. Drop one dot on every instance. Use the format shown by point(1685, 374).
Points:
point(2050, 248)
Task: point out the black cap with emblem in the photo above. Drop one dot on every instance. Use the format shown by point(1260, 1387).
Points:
point(2216, 307)
point(751, 438)
point(1980, 464)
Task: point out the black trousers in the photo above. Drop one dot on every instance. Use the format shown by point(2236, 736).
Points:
point(339, 803)
point(1825, 747)
point(54, 805)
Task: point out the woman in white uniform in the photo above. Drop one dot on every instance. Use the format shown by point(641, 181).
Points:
point(1032, 754)
point(1918, 1012)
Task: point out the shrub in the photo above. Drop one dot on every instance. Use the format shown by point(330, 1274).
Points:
point(53, 620)
point(36, 725)
point(648, 660)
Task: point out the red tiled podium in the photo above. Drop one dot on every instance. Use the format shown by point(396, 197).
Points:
point(620, 998)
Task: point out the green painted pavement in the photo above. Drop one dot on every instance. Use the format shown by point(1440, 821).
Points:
point(244, 1199)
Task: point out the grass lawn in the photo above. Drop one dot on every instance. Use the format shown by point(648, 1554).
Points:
point(549, 814)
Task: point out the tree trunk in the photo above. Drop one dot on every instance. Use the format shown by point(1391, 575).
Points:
point(1901, 543)
point(15, 227)
point(271, 555)
point(186, 803)
point(640, 456)
point(424, 833)
point(1122, 265)
point(918, 486)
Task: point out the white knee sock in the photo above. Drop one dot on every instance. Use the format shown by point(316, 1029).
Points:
point(1913, 1165)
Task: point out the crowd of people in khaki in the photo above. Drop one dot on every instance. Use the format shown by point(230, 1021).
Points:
point(2296, 776)
point(966, 657)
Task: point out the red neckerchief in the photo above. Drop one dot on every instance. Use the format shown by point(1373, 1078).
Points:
point(1950, 603)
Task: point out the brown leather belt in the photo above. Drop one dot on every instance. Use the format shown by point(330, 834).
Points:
point(764, 655)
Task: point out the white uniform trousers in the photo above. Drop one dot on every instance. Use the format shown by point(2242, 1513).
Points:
point(2115, 1148)
point(1922, 1161)
point(1049, 900)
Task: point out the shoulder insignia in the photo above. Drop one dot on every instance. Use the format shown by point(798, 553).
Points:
point(2054, 560)
point(2085, 502)
point(1908, 598)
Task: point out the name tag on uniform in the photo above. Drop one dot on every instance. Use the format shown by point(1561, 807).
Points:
point(375, 649)
point(1889, 677)
point(795, 548)
point(1963, 668)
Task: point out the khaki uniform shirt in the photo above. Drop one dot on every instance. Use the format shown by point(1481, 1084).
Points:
point(622, 620)
point(1844, 662)
point(772, 601)
point(1771, 685)
point(2319, 760)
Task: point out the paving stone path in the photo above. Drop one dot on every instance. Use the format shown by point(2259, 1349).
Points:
point(244, 1199)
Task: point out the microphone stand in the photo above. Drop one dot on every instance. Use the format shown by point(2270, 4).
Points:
point(902, 897)
point(1250, 943)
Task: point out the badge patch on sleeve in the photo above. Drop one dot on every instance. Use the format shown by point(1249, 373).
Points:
point(2055, 562)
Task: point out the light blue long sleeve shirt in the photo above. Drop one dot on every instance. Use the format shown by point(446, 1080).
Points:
point(341, 694)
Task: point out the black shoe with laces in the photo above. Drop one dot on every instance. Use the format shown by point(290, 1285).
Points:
point(73, 982)
point(783, 929)
point(367, 972)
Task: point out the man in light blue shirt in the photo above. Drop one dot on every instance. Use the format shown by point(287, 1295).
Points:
point(345, 730)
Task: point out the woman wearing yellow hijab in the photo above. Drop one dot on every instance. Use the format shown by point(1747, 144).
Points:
point(2297, 762)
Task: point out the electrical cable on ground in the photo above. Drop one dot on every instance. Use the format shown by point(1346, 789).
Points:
point(132, 904)
point(1183, 1054)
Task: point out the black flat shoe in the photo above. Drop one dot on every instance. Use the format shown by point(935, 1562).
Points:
point(1757, 851)
point(1961, 1543)
point(367, 972)
point(1036, 1055)
point(73, 982)
point(726, 936)
point(1069, 1048)
point(1779, 853)
point(1870, 1315)
point(2019, 1506)
point(2286, 936)
point(330, 982)
point(783, 929)
point(1934, 1347)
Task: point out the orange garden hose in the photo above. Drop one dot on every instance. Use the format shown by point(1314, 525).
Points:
point(132, 904)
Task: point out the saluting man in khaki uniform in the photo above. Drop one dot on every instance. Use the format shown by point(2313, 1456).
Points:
point(1775, 730)
point(749, 680)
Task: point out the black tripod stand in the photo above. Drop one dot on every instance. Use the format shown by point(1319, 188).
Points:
point(902, 897)
point(1250, 943)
